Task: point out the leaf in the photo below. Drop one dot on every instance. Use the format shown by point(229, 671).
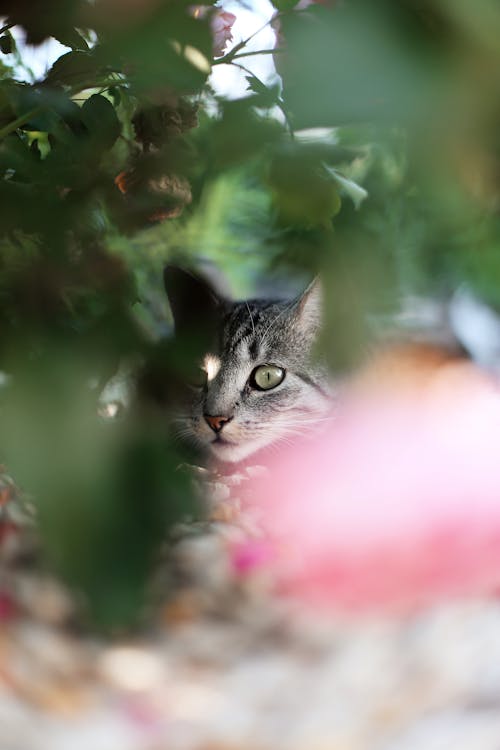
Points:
point(6, 44)
point(169, 48)
point(303, 194)
point(284, 5)
point(241, 134)
point(71, 37)
point(347, 65)
point(266, 96)
point(99, 116)
point(54, 110)
point(115, 94)
point(355, 192)
point(75, 69)
point(41, 20)
point(256, 85)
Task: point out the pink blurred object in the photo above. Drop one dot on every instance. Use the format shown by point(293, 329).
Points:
point(8, 607)
point(222, 23)
point(396, 506)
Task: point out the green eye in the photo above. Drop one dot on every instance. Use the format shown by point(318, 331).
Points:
point(266, 377)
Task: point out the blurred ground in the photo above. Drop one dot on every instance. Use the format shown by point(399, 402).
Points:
point(225, 666)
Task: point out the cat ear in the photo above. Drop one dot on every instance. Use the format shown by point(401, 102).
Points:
point(308, 310)
point(194, 302)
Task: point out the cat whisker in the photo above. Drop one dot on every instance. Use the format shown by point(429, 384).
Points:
point(184, 431)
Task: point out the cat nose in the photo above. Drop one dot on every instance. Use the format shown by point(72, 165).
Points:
point(216, 423)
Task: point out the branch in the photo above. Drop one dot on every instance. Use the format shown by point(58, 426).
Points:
point(6, 27)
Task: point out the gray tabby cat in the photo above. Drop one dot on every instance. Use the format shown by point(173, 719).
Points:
point(261, 387)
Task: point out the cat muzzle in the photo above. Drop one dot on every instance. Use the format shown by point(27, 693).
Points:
point(216, 423)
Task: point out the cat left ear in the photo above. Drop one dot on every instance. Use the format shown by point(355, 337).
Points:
point(308, 309)
point(194, 302)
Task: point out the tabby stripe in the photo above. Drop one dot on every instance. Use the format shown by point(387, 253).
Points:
point(306, 379)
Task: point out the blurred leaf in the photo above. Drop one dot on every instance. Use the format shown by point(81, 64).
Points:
point(109, 500)
point(105, 542)
point(375, 70)
point(241, 134)
point(115, 94)
point(6, 44)
point(71, 37)
point(165, 48)
point(99, 116)
point(304, 193)
point(267, 96)
point(284, 5)
point(76, 70)
point(41, 18)
point(355, 192)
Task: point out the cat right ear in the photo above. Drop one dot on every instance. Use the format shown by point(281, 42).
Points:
point(308, 309)
point(194, 303)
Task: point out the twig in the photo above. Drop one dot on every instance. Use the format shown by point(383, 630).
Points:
point(229, 58)
point(15, 124)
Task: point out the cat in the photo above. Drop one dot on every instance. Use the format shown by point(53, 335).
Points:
point(261, 385)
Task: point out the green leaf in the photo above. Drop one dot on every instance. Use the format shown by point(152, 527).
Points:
point(167, 48)
point(266, 96)
point(115, 94)
point(304, 194)
point(348, 65)
point(99, 116)
point(54, 109)
point(256, 85)
point(284, 5)
point(241, 134)
point(77, 70)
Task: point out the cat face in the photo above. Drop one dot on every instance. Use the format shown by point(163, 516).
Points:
point(259, 387)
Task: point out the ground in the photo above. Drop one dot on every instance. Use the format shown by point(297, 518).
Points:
point(226, 665)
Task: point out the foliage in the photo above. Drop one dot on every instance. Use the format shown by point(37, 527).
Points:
point(123, 156)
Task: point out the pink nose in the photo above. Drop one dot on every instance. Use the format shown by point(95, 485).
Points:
point(216, 423)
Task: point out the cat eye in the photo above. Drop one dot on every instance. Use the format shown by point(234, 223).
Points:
point(265, 377)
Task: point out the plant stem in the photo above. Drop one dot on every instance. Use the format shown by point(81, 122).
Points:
point(6, 27)
point(228, 59)
point(15, 124)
